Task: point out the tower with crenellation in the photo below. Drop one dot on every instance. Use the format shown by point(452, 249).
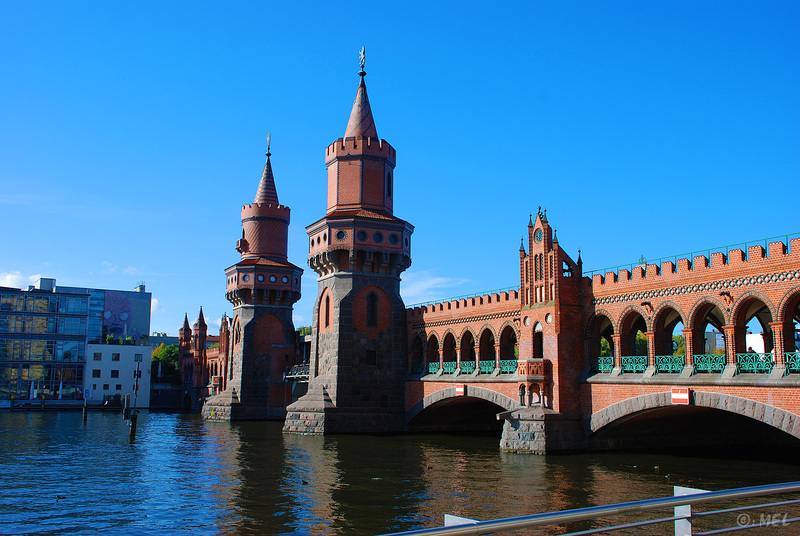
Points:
point(358, 250)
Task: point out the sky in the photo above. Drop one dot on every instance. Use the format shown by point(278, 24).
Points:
point(132, 133)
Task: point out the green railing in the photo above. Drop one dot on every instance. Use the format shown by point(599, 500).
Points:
point(418, 368)
point(467, 367)
point(508, 366)
point(486, 367)
point(449, 367)
point(709, 362)
point(753, 363)
point(633, 363)
point(744, 246)
point(670, 364)
point(433, 368)
point(792, 362)
point(604, 363)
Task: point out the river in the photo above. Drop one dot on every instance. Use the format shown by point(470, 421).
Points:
point(59, 475)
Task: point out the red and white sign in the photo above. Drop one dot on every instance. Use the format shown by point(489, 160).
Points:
point(460, 389)
point(680, 396)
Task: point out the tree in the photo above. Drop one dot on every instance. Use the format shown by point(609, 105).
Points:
point(641, 343)
point(678, 345)
point(304, 330)
point(167, 358)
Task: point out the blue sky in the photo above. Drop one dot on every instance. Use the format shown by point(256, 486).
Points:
point(132, 133)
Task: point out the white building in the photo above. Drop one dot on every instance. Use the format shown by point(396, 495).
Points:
point(111, 370)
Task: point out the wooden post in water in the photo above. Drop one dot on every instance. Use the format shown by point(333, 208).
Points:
point(126, 410)
point(11, 407)
point(85, 411)
point(42, 401)
point(134, 419)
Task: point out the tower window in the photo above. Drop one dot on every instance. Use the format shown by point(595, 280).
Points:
point(389, 185)
point(327, 311)
point(372, 310)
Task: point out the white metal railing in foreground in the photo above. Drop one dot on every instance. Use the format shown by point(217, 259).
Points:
point(681, 519)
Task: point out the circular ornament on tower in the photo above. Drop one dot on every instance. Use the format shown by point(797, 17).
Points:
point(261, 277)
point(393, 239)
point(537, 236)
point(246, 277)
point(285, 279)
point(549, 318)
point(362, 235)
point(378, 237)
point(527, 321)
point(272, 278)
point(341, 235)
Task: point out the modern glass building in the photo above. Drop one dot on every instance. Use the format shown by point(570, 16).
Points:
point(45, 330)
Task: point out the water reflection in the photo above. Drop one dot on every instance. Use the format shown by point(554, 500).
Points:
point(181, 473)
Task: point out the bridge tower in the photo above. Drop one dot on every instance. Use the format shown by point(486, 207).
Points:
point(263, 288)
point(552, 314)
point(358, 250)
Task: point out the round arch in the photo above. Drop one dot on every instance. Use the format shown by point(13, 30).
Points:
point(739, 306)
point(448, 393)
point(665, 318)
point(699, 307)
point(788, 313)
point(777, 418)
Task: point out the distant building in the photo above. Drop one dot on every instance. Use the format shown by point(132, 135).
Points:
point(157, 339)
point(202, 361)
point(45, 331)
point(111, 371)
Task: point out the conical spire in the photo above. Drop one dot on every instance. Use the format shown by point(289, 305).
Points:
point(200, 319)
point(185, 321)
point(361, 124)
point(266, 188)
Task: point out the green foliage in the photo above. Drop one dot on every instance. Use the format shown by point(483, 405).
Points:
point(605, 348)
point(641, 343)
point(678, 345)
point(167, 357)
point(109, 339)
point(304, 330)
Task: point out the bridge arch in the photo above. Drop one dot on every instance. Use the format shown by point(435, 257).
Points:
point(449, 393)
point(776, 417)
point(633, 320)
point(788, 314)
point(665, 318)
point(601, 326)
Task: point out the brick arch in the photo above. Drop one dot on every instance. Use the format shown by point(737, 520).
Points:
point(465, 330)
point(628, 311)
point(508, 404)
point(692, 318)
point(432, 333)
point(736, 308)
point(489, 327)
point(777, 418)
point(660, 309)
point(787, 300)
point(598, 313)
point(513, 326)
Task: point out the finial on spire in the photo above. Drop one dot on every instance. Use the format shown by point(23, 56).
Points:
point(269, 142)
point(362, 56)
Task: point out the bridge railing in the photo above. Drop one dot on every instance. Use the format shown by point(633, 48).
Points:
point(682, 517)
point(670, 364)
point(506, 366)
point(744, 246)
point(792, 362)
point(752, 363)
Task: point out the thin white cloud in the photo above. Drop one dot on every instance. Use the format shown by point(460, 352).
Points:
point(155, 307)
point(130, 270)
point(109, 268)
point(12, 279)
point(425, 286)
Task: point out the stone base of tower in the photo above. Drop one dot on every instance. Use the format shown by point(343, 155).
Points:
point(226, 406)
point(541, 431)
point(315, 413)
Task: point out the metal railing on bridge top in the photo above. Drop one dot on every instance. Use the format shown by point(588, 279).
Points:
point(692, 254)
point(734, 518)
point(464, 296)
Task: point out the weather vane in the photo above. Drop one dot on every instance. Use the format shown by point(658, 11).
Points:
point(269, 142)
point(362, 56)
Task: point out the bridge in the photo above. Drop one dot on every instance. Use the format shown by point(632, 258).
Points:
point(619, 359)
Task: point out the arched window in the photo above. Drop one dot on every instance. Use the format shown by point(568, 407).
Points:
point(389, 185)
point(372, 310)
point(327, 311)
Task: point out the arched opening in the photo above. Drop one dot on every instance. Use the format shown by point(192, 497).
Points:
point(415, 358)
point(634, 349)
point(708, 340)
point(791, 333)
point(433, 355)
point(509, 351)
point(753, 342)
point(449, 354)
point(694, 431)
point(372, 310)
point(669, 342)
point(601, 344)
point(487, 358)
point(538, 341)
point(467, 353)
point(327, 313)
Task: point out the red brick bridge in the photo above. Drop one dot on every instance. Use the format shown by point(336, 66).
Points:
point(568, 362)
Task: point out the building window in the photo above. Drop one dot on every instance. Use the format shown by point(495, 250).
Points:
point(115, 374)
point(98, 356)
point(372, 310)
point(105, 387)
point(114, 357)
point(327, 311)
point(119, 387)
point(137, 358)
point(388, 185)
point(96, 373)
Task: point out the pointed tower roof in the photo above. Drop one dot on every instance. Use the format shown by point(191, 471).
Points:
point(361, 124)
point(266, 187)
point(185, 322)
point(200, 319)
